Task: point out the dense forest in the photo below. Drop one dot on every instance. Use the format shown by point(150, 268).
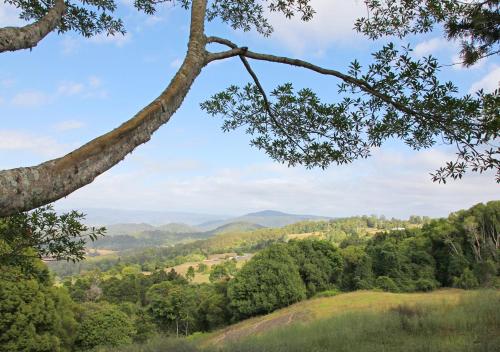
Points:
point(132, 298)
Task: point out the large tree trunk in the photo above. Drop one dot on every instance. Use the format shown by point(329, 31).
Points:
point(26, 188)
point(27, 37)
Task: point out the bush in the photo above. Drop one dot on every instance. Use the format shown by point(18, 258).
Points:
point(103, 325)
point(386, 283)
point(35, 316)
point(466, 281)
point(269, 281)
point(425, 285)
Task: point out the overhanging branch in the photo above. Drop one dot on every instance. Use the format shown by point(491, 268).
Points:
point(267, 105)
point(364, 86)
point(237, 51)
point(17, 38)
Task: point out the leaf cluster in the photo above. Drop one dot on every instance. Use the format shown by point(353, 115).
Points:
point(475, 23)
point(249, 14)
point(44, 234)
point(394, 97)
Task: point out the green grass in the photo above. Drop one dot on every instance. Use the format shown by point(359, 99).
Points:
point(471, 325)
point(466, 321)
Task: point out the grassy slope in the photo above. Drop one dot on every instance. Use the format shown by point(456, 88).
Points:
point(436, 322)
point(321, 308)
point(365, 321)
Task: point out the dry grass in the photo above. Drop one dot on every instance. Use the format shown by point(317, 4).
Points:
point(322, 308)
point(212, 260)
point(301, 236)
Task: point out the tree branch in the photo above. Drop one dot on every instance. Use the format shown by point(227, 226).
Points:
point(235, 50)
point(27, 37)
point(267, 105)
point(364, 86)
point(26, 188)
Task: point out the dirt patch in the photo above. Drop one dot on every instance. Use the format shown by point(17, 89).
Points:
point(261, 325)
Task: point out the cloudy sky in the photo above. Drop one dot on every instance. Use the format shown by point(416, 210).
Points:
point(69, 90)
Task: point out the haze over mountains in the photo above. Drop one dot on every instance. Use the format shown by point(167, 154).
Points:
point(107, 216)
point(131, 221)
point(127, 234)
point(266, 218)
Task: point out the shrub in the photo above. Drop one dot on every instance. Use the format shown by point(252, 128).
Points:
point(269, 281)
point(104, 325)
point(466, 281)
point(425, 285)
point(386, 283)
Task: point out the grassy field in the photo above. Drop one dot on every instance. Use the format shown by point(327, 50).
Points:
point(365, 321)
point(212, 260)
point(446, 322)
point(322, 308)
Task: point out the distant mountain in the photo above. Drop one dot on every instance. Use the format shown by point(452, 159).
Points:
point(140, 229)
point(240, 226)
point(127, 229)
point(177, 227)
point(268, 213)
point(129, 222)
point(266, 218)
point(105, 216)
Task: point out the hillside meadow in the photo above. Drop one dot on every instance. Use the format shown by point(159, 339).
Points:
point(443, 320)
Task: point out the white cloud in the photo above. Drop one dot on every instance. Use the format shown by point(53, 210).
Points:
point(91, 88)
point(488, 83)
point(9, 16)
point(431, 46)
point(68, 125)
point(152, 20)
point(95, 81)
point(390, 183)
point(333, 22)
point(118, 39)
point(70, 45)
point(31, 99)
point(69, 88)
point(7, 82)
point(22, 141)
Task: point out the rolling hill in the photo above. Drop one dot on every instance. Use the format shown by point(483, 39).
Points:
point(447, 320)
point(238, 226)
point(309, 311)
point(106, 216)
point(266, 218)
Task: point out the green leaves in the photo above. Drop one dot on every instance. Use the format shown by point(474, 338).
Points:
point(87, 17)
point(249, 14)
point(394, 97)
point(269, 281)
point(44, 234)
point(92, 17)
point(475, 23)
point(103, 325)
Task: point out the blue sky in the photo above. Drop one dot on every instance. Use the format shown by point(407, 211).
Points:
point(69, 90)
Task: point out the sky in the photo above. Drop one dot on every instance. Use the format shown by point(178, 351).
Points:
point(69, 90)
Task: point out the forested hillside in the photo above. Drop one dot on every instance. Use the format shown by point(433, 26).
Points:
point(172, 249)
point(134, 296)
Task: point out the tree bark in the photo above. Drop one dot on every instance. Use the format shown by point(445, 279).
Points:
point(17, 38)
point(26, 188)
